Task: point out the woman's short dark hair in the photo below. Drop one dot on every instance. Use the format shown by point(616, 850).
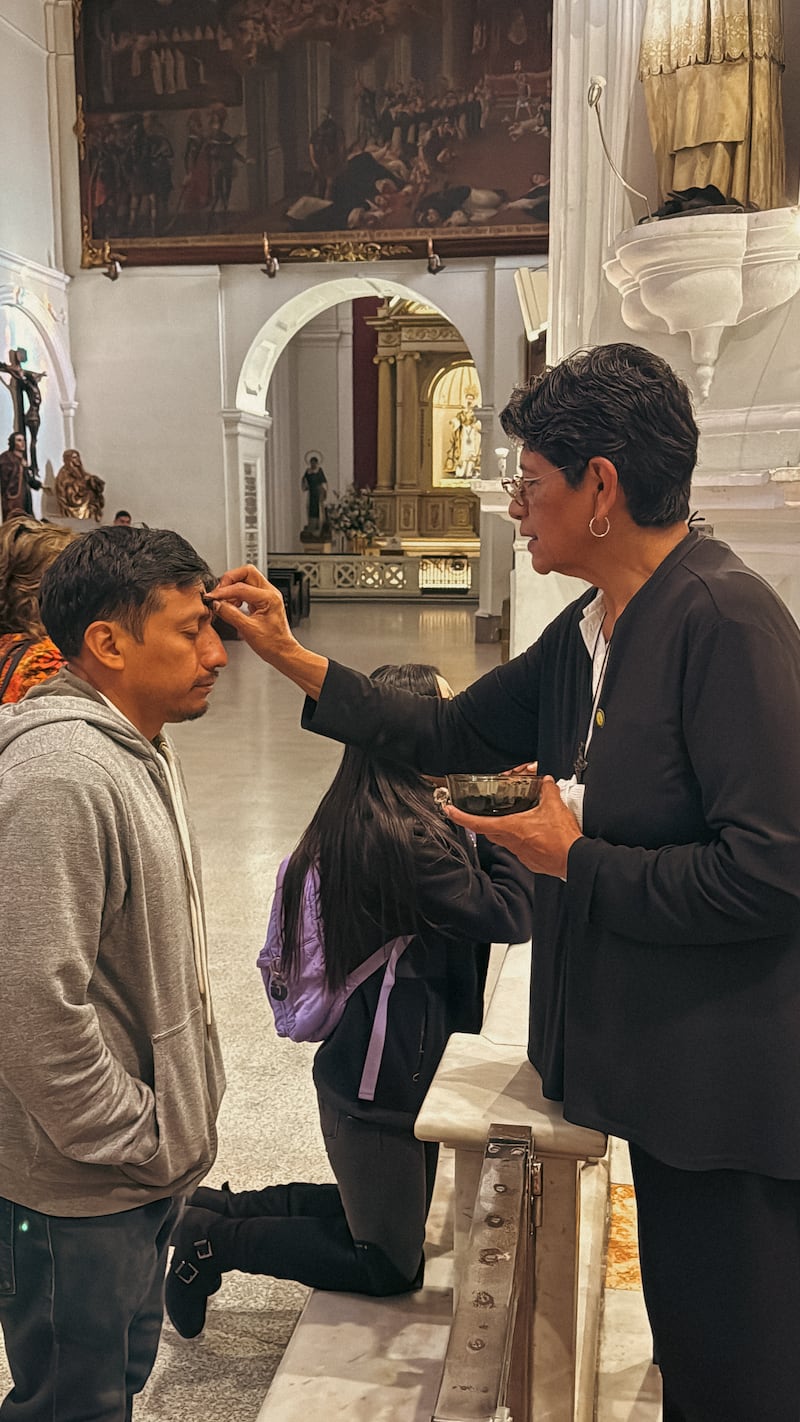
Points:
point(117, 575)
point(620, 402)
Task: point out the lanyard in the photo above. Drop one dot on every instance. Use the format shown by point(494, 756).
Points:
point(580, 763)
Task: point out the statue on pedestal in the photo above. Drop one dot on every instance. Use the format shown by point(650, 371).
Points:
point(79, 493)
point(315, 486)
point(712, 82)
point(463, 460)
point(16, 479)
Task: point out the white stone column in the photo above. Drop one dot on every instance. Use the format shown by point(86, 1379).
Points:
point(245, 487)
point(497, 545)
point(536, 600)
point(589, 205)
point(69, 409)
point(62, 113)
point(407, 461)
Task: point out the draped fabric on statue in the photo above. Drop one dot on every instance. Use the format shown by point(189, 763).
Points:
point(712, 72)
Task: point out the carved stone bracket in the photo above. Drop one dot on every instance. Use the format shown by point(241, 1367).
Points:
point(704, 274)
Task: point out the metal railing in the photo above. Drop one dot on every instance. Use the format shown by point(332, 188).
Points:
point(486, 1369)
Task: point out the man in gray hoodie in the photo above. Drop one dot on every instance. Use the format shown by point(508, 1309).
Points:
point(110, 1073)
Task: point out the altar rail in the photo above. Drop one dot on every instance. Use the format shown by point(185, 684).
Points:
point(350, 577)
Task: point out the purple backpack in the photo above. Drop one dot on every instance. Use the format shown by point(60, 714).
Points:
point(304, 1007)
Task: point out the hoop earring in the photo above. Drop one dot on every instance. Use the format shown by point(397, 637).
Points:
point(606, 530)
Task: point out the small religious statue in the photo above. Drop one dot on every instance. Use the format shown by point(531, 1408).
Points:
point(712, 82)
point(315, 487)
point(16, 478)
point(463, 460)
point(79, 493)
point(27, 400)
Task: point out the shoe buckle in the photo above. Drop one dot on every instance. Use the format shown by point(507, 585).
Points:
point(202, 1248)
point(186, 1272)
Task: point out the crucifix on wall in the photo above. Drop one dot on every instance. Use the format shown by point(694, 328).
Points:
point(26, 398)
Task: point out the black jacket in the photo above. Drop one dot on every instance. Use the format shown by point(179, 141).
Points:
point(665, 1002)
point(465, 902)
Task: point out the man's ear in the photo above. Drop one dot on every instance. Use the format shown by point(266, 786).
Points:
point(105, 642)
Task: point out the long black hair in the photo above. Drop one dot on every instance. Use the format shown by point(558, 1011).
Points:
point(361, 841)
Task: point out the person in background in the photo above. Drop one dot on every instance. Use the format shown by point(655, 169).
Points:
point(121, 518)
point(662, 706)
point(402, 870)
point(110, 1072)
point(27, 655)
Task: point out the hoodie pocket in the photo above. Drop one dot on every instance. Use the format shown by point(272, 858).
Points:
point(184, 1111)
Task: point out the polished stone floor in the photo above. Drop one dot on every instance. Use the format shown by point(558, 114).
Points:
point(254, 779)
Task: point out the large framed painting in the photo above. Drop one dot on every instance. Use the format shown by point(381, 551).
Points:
point(337, 129)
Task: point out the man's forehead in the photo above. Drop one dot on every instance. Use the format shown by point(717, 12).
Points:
point(182, 602)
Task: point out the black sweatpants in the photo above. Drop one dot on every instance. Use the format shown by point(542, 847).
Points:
point(81, 1305)
point(720, 1258)
point(386, 1179)
point(363, 1235)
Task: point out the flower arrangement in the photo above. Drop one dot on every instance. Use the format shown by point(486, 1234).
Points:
point(353, 513)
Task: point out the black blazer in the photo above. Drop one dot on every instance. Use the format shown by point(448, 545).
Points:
point(665, 1001)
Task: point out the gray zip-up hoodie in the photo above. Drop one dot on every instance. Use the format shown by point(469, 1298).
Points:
point(110, 1071)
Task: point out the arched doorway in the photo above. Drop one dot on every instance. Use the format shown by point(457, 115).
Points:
point(250, 425)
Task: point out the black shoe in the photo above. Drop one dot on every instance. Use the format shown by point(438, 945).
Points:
point(194, 1274)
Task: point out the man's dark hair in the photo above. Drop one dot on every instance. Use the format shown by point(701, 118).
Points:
point(13, 437)
point(115, 574)
point(620, 402)
point(122, 513)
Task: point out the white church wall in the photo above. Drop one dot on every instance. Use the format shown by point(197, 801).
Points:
point(323, 352)
point(147, 353)
point(151, 400)
point(26, 208)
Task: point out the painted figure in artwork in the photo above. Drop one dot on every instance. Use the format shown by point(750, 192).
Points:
point(79, 493)
point(223, 157)
point(464, 454)
point(712, 80)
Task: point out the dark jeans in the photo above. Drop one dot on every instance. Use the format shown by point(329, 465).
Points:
point(720, 1257)
point(81, 1305)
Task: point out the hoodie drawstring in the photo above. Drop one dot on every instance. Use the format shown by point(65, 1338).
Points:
point(199, 940)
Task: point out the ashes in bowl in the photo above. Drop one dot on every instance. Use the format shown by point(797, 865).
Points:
point(494, 794)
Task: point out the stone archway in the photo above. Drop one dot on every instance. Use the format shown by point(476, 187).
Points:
point(248, 424)
point(31, 321)
point(276, 333)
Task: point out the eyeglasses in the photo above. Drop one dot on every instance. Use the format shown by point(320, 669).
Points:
point(518, 487)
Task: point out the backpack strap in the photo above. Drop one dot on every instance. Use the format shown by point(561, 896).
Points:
point(388, 954)
point(11, 661)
